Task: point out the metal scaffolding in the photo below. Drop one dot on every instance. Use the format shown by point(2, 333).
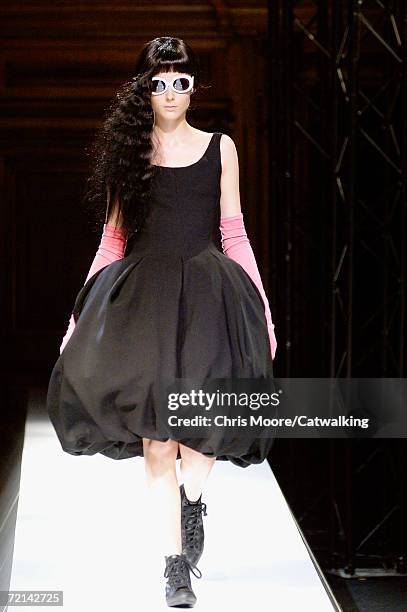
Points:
point(338, 101)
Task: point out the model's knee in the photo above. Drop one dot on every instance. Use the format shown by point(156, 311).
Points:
point(187, 452)
point(190, 455)
point(157, 451)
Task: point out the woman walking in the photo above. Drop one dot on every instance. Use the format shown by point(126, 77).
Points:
point(162, 302)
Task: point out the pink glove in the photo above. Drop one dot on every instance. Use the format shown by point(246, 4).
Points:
point(111, 248)
point(236, 245)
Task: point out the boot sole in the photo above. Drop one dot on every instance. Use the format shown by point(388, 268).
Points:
point(181, 600)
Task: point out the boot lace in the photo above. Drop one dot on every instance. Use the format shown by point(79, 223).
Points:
point(192, 513)
point(177, 571)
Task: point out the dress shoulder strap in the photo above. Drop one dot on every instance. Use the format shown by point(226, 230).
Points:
point(213, 151)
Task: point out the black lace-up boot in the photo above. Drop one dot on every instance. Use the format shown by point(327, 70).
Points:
point(178, 590)
point(192, 531)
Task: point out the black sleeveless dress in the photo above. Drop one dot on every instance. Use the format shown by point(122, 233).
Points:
point(175, 307)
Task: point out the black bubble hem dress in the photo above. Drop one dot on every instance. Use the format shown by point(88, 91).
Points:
point(174, 307)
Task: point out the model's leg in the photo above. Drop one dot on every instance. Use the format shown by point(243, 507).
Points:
point(195, 468)
point(160, 466)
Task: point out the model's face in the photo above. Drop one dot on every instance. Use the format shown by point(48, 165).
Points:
point(179, 101)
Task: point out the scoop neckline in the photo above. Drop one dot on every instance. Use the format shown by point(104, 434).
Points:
point(189, 165)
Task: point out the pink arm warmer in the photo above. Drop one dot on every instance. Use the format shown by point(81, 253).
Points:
point(236, 245)
point(111, 248)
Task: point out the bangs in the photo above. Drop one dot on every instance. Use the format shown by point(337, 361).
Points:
point(181, 65)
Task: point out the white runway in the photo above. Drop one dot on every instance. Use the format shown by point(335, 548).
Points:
point(83, 528)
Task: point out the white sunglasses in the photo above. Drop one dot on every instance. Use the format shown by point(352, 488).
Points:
point(179, 84)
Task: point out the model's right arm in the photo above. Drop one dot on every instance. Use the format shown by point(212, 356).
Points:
point(112, 247)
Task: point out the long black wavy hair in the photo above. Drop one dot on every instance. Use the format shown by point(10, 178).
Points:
point(121, 172)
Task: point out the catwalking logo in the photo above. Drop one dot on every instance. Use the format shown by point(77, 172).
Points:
point(340, 421)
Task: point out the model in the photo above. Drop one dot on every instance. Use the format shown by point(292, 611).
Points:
point(161, 302)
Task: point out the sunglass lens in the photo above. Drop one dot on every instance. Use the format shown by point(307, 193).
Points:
point(181, 84)
point(157, 86)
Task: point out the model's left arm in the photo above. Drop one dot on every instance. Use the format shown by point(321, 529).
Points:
point(235, 242)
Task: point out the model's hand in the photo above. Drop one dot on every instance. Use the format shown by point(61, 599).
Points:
point(273, 341)
point(68, 334)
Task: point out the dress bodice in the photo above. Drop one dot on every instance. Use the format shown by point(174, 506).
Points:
point(184, 206)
